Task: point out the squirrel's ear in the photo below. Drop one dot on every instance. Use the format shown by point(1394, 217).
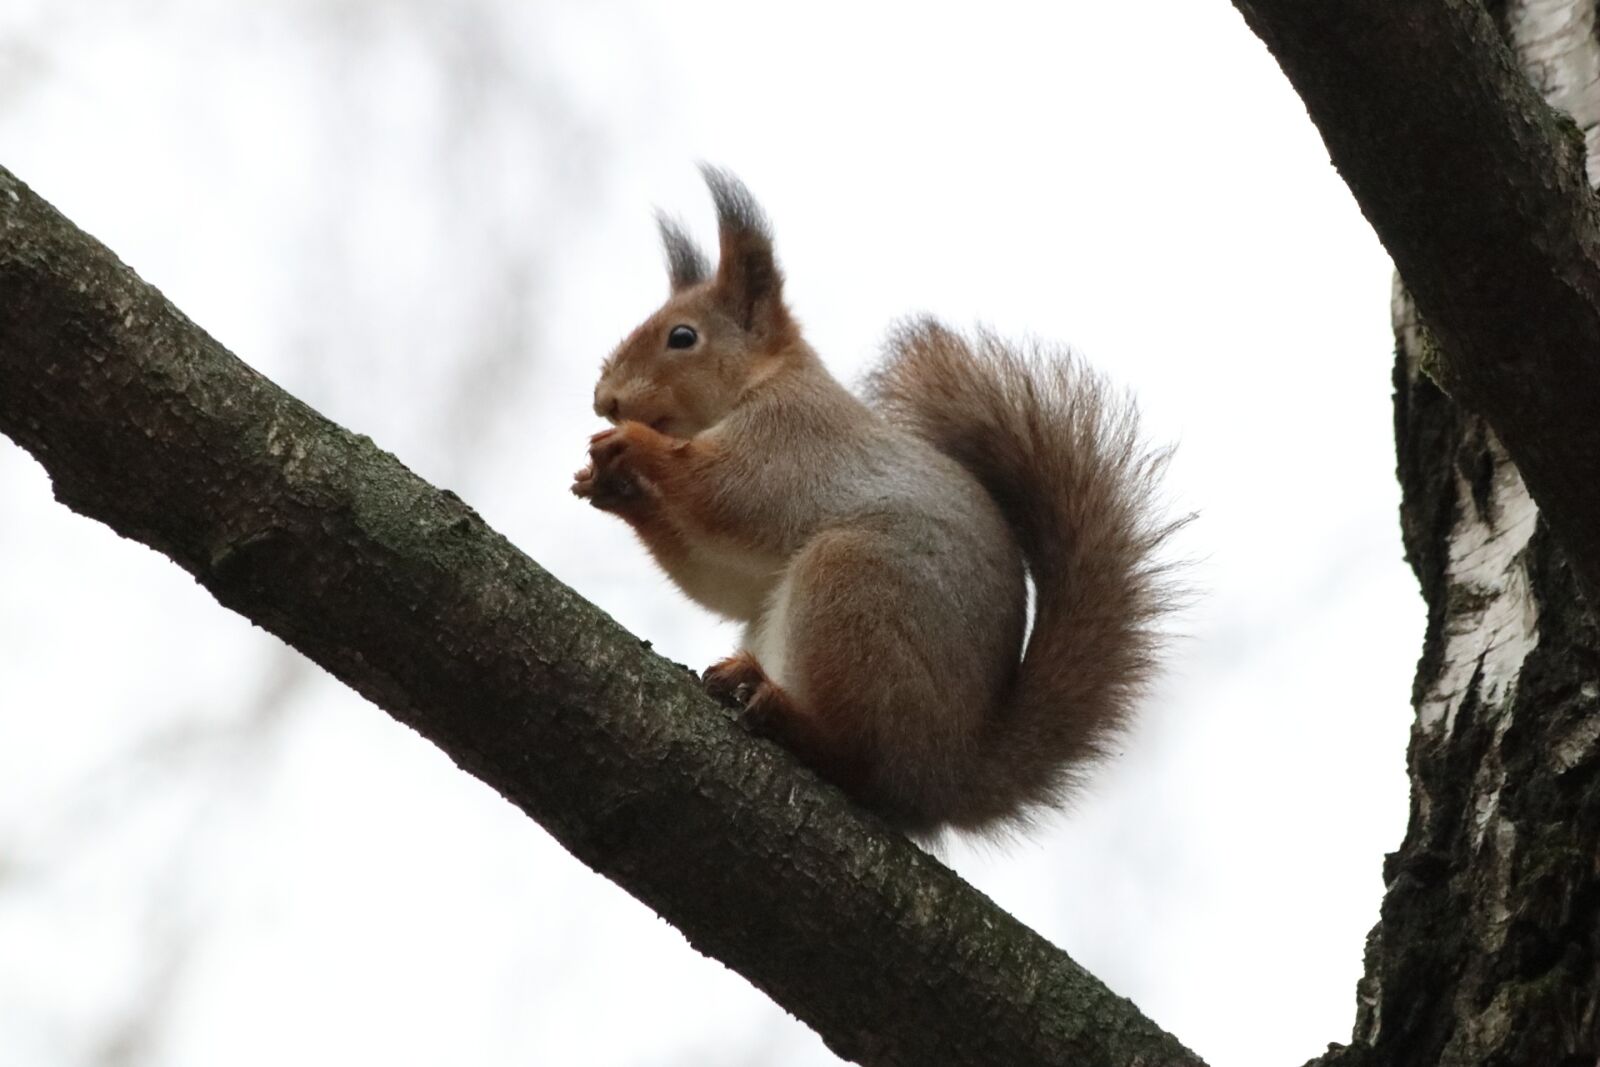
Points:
point(748, 280)
point(686, 264)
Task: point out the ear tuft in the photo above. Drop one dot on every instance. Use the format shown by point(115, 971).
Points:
point(686, 264)
point(737, 210)
point(748, 278)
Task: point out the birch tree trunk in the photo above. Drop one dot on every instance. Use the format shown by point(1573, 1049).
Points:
point(1488, 948)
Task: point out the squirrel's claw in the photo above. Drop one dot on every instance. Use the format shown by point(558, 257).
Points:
point(734, 681)
point(583, 482)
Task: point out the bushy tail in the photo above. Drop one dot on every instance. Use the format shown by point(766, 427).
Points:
point(1059, 452)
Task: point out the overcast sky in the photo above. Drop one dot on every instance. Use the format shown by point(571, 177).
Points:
point(431, 222)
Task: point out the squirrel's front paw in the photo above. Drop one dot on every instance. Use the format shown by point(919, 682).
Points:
point(611, 481)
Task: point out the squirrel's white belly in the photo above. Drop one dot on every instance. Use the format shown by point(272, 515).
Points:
point(767, 638)
point(733, 582)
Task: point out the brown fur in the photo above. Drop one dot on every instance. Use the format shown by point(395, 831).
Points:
point(876, 553)
point(1062, 457)
point(821, 741)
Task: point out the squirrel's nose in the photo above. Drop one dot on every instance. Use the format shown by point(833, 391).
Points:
point(606, 405)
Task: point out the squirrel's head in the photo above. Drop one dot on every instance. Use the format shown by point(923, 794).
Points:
point(718, 334)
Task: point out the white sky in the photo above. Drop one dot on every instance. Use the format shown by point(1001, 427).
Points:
point(431, 222)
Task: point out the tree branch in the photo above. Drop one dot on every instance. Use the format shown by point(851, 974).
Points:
point(1478, 190)
point(400, 590)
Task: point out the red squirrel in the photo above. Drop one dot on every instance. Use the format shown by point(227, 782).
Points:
point(876, 548)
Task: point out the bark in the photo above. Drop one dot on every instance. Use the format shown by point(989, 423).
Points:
point(1487, 947)
point(1477, 189)
point(1487, 951)
point(399, 589)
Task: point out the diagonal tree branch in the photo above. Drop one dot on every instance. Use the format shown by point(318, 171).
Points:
point(399, 589)
point(1478, 190)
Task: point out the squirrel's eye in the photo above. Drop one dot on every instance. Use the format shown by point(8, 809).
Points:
point(682, 337)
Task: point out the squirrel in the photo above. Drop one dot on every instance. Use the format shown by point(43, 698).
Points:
point(878, 550)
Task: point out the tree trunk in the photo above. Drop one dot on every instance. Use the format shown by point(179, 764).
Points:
point(1487, 951)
